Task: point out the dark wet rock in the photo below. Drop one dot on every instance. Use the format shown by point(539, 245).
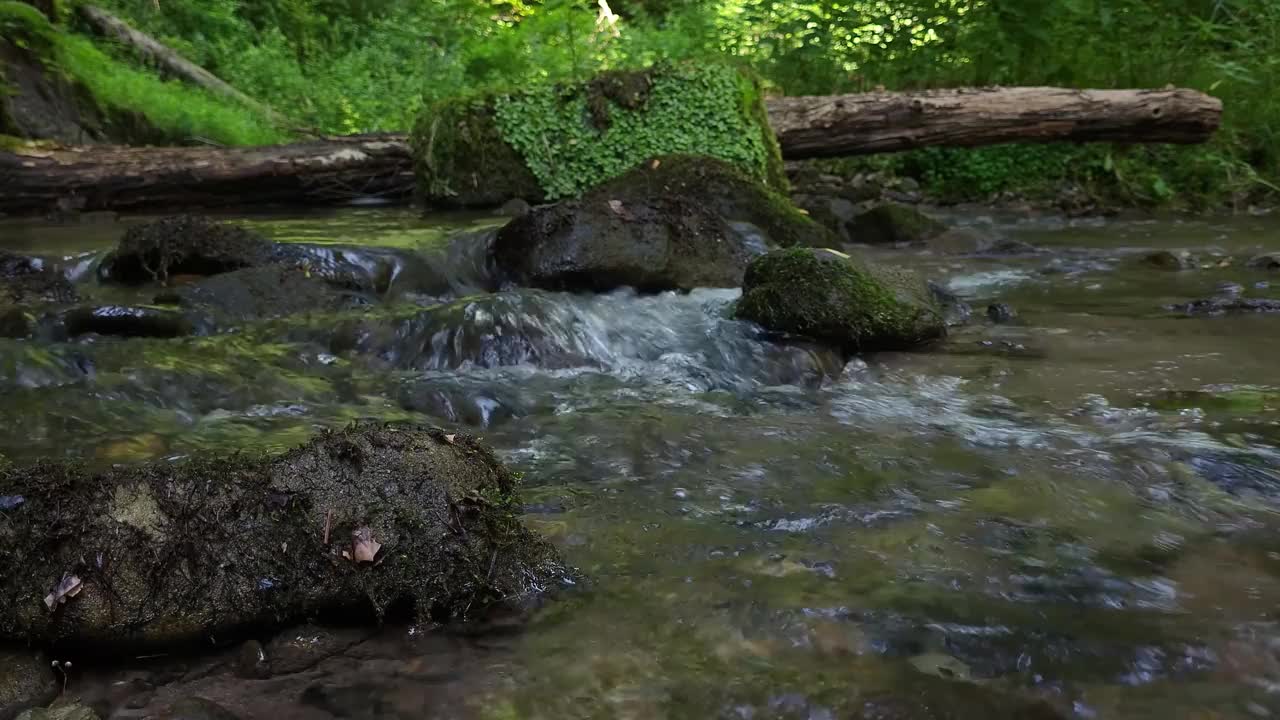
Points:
point(894, 224)
point(515, 207)
point(198, 708)
point(1265, 261)
point(828, 296)
point(255, 293)
point(664, 242)
point(304, 647)
point(125, 321)
point(16, 323)
point(1237, 473)
point(26, 681)
point(252, 662)
point(833, 213)
point(357, 700)
point(167, 554)
point(369, 270)
point(25, 280)
point(724, 190)
point(477, 407)
point(970, 241)
point(1001, 313)
point(1170, 260)
point(183, 245)
point(70, 711)
point(1227, 305)
point(954, 309)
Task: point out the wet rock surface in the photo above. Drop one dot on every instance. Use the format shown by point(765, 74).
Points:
point(894, 224)
point(660, 243)
point(125, 321)
point(829, 296)
point(258, 293)
point(183, 245)
point(167, 554)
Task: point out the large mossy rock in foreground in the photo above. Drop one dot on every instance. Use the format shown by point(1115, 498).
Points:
point(830, 297)
point(554, 142)
point(356, 522)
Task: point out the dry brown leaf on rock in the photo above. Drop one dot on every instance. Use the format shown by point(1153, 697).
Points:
point(68, 587)
point(364, 548)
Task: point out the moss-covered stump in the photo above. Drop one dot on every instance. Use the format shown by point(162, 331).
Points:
point(723, 188)
point(555, 142)
point(827, 296)
point(183, 245)
point(893, 224)
point(358, 522)
point(597, 244)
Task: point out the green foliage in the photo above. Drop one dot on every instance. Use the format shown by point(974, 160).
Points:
point(686, 110)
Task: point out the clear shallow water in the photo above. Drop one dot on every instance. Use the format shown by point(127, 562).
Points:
point(1070, 516)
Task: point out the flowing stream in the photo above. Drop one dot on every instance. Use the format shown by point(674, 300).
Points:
point(1073, 514)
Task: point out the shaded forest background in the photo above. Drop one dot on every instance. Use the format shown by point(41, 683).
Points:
point(348, 66)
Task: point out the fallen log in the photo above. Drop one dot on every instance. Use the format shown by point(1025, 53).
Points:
point(878, 122)
point(171, 62)
point(334, 170)
point(327, 171)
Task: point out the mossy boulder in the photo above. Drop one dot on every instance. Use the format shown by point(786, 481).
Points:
point(828, 296)
point(555, 142)
point(893, 224)
point(356, 523)
point(184, 245)
point(726, 190)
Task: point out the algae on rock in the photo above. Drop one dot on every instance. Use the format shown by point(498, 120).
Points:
point(168, 554)
point(828, 296)
point(553, 142)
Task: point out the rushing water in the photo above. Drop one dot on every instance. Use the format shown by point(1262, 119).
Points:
point(1071, 515)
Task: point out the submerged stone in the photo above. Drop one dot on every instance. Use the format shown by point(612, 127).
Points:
point(357, 522)
point(1265, 261)
point(1170, 260)
point(1227, 304)
point(126, 321)
point(893, 224)
point(257, 293)
point(183, 245)
point(1000, 313)
point(830, 297)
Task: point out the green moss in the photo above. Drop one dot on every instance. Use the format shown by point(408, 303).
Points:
point(571, 138)
point(827, 296)
point(728, 190)
point(461, 157)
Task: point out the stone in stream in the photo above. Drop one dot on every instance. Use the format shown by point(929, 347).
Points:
point(1001, 313)
point(125, 321)
point(256, 293)
point(894, 224)
point(359, 522)
point(1265, 261)
point(830, 297)
point(670, 224)
point(183, 245)
point(1227, 304)
point(69, 711)
point(1170, 260)
point(26, 680)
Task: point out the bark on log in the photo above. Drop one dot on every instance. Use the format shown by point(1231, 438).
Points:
point(171, 62)
point(811, 127)
point(339, 169)
point(329, 171)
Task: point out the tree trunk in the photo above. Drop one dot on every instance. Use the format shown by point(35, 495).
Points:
point(812, 127)
point(171, 62)
point(330, 171)
point(338, 169)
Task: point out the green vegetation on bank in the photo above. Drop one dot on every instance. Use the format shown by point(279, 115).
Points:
point(166, 110)
point(364, 65)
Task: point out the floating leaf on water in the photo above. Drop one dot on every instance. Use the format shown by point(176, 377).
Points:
point(68, 587)
point(364, 548)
